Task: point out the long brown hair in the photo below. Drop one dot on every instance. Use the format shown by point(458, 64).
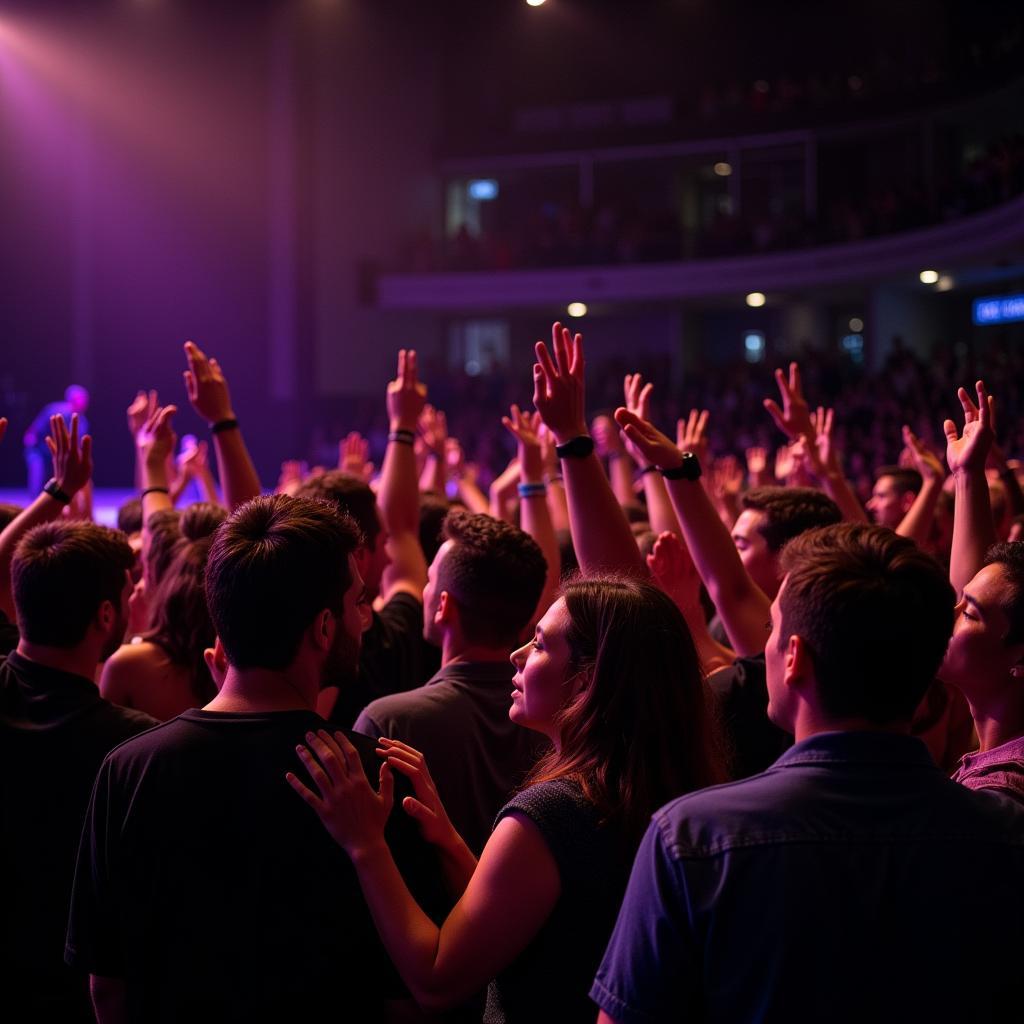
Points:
point(641, 731)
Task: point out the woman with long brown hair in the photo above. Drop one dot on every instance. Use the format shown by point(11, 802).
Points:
point(613, 680)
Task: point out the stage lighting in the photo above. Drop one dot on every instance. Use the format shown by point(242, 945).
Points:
point(928, 276)
point(576, 309)
point(722, 169)
point(856, 325)
point(756, 299)
point(944, 283)
point(534, 3)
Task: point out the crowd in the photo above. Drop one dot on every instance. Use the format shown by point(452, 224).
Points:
point(651, 730)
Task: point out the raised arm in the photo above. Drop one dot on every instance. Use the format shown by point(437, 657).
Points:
point(609, 446)
point(917, 523)
point(534, 516)
point(208, 392)
point(354, 456)
point(508, 898)
point(660, 513)
point(465, 476)
point(600, 531)
point(741, 603)
point(966, 453)
point(433, 428)
point(399, 492)
point(154, 442)
point(997, 461)
point(72, 470)
point(820, 458)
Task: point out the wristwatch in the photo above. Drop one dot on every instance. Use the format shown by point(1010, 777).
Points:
point(576, 448)
point(52, 488)
point(688, 469)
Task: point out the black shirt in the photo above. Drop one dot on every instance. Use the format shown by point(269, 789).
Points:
point(211, 888)
point(8, 635)
point(55, 729)
point(394, 657)
point(755, 742)
point(459, 721)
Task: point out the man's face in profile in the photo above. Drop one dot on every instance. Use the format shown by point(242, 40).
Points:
point(342, 663)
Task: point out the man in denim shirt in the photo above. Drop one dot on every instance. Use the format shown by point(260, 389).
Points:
point(852, 881)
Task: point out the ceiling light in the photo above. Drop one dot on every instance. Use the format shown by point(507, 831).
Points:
point(928, 276)
point(756, 299)
point(577, 309)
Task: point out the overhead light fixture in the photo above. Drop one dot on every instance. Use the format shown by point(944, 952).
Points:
point(534, 3)
point(756, 299)
point(928, 276)
point(577, 309)
point(944, 283)
point(856, 324)
point(722, 169)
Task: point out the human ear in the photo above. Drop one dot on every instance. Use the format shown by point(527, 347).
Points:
point(323, 630)
point(217, 663)
point(445, 608)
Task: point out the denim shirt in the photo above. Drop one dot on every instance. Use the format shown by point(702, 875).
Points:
point(851, 881)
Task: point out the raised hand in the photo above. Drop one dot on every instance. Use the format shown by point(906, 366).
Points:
point(674, 572)
point(194, 460)
point(757, 465)
point(727, 477)
point(206, 386)
point(925, 461)
point(406, 396)
point(785, 464)
point(968, 452)
point(525, 428)
point(455, 458)
point(794, 418)
point(433, 426)
point(654, 447)
point(142, 407)
point(691, 434)
point(828, 456)
point(156, 439)
point(354, 456)
point(425, 807)
point(558, 385)
point(351, 811)
point(607, 441)
point(638, 400)
point(72, 462)
point(290, 478)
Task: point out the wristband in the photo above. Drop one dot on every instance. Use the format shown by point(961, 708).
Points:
point(222, 425)
point(688, 469)
point(532, 490)
point(652, 468)
point(402, 436)
point(576, 448)
point(154, 490)
point(53, 489)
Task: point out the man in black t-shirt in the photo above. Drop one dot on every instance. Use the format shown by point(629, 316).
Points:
point(205, 889)
point(70, 587)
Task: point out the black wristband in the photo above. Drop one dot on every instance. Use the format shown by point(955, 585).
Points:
point(52, 488)
point(575, 448)
point(154, 490)
point(688, 469)
point(222, 425)
point(402, 436)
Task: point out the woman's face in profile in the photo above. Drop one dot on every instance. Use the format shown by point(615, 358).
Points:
point(544, 678)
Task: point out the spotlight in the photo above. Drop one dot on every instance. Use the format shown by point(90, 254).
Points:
point(574, 308)
point(928, 276)
point(944, 283)
point(856, 325)
point(534, 3)
point(756, 299)
point(722, 169)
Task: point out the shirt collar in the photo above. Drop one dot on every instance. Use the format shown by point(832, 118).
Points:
point(475, 672)
point(864, 747)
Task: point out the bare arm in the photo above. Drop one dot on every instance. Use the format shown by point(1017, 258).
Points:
point(433, 427)
point(620, 464)
point(819, 456)
point(973, 531)
point(465, 476)
point(399, 494)
point(917, 523)
point(534, 516)
point(743, 606)
point(600, 532)
point(208, 392)
point(72, 470)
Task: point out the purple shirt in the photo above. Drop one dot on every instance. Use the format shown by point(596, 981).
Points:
point(1000, 768)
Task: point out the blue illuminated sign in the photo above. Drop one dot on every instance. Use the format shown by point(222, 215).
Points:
point(483, 189)
point(1000, 309)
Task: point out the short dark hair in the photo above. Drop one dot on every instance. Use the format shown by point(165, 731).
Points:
point(495, 573)
point(164, 530)
point(876, 614)
point(790, 511)
point(274, 564)
point(904, 479)
point(61, 573)
point(129, 516)
point(201, 519)
point(1010, 555)
point(349, 495)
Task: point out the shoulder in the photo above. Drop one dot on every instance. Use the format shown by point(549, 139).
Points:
point(402, 609)
point(742, 675)
point(411, 706)
point(555, 805)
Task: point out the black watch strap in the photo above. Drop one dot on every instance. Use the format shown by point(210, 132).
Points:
point(688, 469)
point(576, 448)
point(52, 488)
